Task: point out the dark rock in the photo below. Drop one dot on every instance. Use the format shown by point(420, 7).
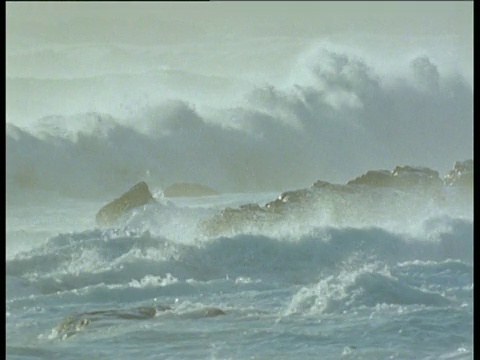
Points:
point(137, 196)
point(358, 198)
point(73, 324)
point(288, 198)
point(401, 177)
point(461, 175)
point(416, 176)
point(373, 178)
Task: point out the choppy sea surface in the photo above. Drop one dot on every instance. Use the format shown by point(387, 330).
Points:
point(157, 287)
point(383, 273)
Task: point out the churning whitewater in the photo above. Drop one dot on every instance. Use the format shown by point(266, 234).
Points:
point(319, 205)
point(357, 271)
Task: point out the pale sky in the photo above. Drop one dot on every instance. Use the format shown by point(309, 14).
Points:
point(179, 20)
point(446, 26)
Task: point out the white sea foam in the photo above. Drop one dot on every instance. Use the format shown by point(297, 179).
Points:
point(151, 280)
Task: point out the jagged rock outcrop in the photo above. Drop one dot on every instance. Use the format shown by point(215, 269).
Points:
point(401, 177)
point(369, 195)
point(188, 190)
point(137, 196)
point(288, 203)
point(461, 175)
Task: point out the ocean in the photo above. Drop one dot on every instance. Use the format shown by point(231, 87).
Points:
point(276, 264)
point(394, 286)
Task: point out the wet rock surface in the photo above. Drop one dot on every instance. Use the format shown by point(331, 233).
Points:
point(75, 323)
point(137, 196)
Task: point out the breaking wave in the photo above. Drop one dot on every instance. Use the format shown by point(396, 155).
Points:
point(101, 259)
point(335, 119)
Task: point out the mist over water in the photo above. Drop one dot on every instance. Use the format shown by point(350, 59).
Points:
point(95, 118)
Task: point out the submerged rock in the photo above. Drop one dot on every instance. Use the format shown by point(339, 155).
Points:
point(75, 323)
point(72, 324)
point(206, 312)
point(188, 190)
point(137, 196)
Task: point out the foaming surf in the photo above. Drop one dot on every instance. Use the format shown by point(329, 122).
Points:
point(340, 114)
point(323, 232)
